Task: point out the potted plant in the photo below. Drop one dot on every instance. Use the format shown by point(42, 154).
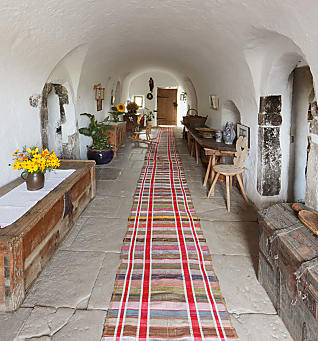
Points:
point(35, 162)
point(117, 111)
point(149, 116)
point(100, 150)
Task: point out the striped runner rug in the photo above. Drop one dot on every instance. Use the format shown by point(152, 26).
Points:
point(165, 287)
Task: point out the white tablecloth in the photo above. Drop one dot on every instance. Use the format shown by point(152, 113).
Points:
point(15, 203)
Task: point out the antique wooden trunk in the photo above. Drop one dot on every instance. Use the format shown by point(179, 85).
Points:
point(28, 244)
point(288, 269)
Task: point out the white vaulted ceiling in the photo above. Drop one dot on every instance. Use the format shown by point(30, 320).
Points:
point(225, 47)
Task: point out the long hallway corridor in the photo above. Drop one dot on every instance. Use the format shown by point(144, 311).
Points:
point(65, 305)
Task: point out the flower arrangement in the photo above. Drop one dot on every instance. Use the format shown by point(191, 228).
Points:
point(116, 111)
point(35, 160)
point(132, 107)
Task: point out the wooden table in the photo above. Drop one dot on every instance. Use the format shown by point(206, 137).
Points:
point(117, 135)
point(212, 150)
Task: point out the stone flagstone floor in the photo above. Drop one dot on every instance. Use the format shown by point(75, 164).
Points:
point(69, 300)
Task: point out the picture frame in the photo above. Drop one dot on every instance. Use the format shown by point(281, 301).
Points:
point(214, 102)
point(242, 130)
point(99, 104)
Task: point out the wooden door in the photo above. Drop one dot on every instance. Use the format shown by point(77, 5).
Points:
point(167, 106)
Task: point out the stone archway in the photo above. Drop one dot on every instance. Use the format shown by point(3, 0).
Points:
point(60, 131)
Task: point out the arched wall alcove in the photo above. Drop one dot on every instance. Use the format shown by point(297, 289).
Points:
point(275, 57)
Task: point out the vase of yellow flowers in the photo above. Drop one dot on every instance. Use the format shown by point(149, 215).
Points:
point(117, 111)
point(35, 163)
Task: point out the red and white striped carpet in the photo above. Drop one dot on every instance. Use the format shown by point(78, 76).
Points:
point(165, 287)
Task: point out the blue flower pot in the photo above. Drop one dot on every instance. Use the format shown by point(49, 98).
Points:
point(101, 157)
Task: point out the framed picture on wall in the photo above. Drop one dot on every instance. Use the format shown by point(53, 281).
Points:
point(214, 102)
point(99, 105)
point(242, 130)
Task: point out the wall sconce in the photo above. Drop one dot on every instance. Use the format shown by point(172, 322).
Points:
point(99, 95)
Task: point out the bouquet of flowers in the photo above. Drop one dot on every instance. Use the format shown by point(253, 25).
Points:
point(35, 160)
point(132, 107)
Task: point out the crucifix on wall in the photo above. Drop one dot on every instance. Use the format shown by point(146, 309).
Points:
point(99, 96)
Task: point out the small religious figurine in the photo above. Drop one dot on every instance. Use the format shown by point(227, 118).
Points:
point(151, 84)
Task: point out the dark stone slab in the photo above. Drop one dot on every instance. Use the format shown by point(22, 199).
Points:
point(107, 173)
point(265, 119)
point(269, 161)
point(271, 104)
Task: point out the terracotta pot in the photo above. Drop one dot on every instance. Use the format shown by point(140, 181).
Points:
point(34, 181)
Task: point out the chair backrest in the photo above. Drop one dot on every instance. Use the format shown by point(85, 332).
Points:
point(241, 152)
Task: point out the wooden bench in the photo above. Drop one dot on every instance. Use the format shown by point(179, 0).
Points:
point(28, 244)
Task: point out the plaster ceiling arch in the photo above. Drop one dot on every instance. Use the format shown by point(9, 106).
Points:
point(271, 57)
point(69, 68)
point(183, 80)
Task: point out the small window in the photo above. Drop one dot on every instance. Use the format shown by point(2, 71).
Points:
point(139, 100)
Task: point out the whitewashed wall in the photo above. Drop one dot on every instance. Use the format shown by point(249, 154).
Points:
point(223, 48)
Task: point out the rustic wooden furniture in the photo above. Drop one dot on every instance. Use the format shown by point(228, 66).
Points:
point(212, 149)
point(288, 269)
point(232, 170)
point(308, 218)
point(117, 135)
point(146, 132)
point(28, 244)
point(131, 122)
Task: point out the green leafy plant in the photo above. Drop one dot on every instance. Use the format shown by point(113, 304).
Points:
point(97, 131)
point(149, 115)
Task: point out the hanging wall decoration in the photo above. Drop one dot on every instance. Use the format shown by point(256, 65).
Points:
point(99, 96)
point(151, 84)
point(214, 102)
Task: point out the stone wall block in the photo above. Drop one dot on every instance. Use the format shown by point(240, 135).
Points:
point(272, 119)
point(271, 104)
point(269, 161)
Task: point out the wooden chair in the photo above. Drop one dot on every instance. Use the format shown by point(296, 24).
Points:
point(137, 138)
point(232, 170)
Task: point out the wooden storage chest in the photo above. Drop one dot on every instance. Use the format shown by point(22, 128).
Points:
point(288, 269)
point(28, 244)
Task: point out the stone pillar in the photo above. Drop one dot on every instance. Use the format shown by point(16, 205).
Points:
point(312, 167)
point(269, 151)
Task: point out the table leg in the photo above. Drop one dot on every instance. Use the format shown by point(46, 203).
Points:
point(213, 164)
point(196, 152)
point(189, 142)
point(242, 187)
point(228, 201)
point(207, 171)
point(213, 185)
point(231, 183)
